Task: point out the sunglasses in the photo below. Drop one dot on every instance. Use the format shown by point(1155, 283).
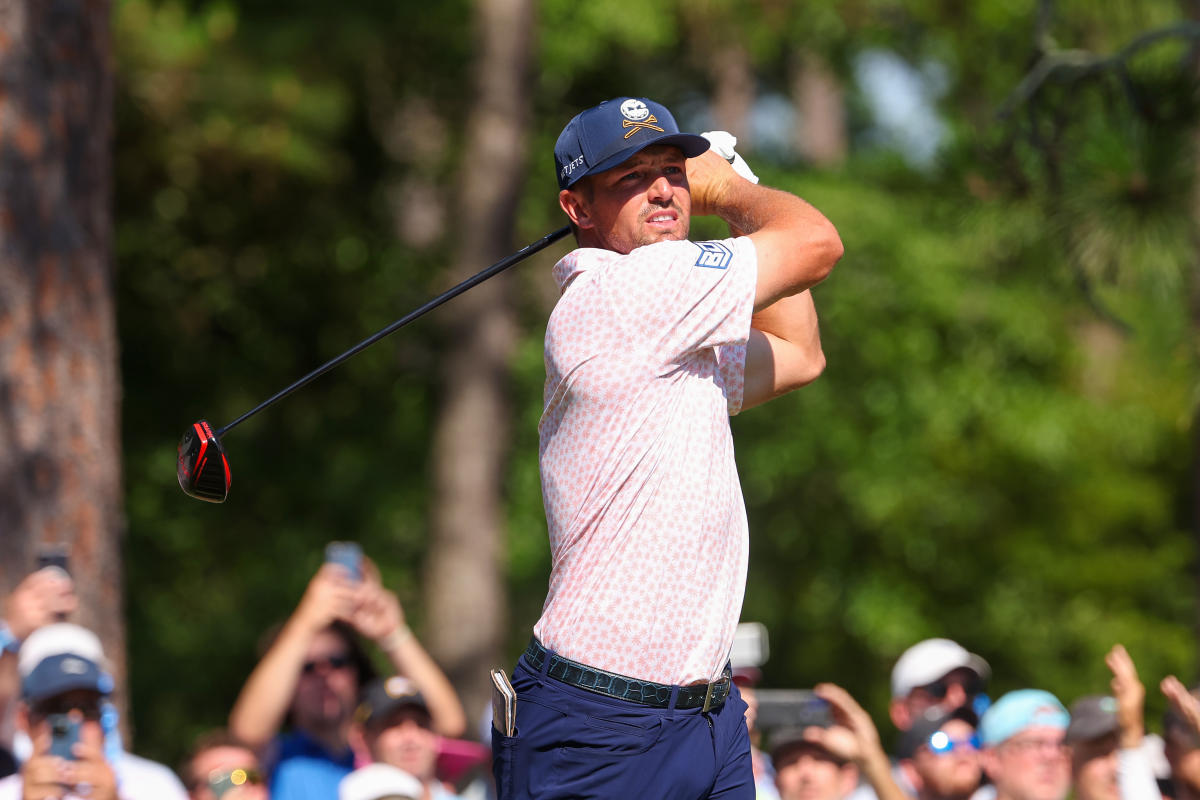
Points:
point(92, 712)
point(222, 781)
point(327, 664)
point(941, 744)
point(939, 688)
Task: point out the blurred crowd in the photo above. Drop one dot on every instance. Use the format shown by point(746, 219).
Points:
point(315, 720)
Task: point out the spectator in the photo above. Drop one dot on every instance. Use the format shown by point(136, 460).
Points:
point(1023, 751)
point(1181, 738)
point(222, 768)
point(379, 782)
point(821, 758)
point(939, 754)
point(935, 672)
point(397, 730)
point(63, 683)
point(1105, 737)
point(764, 775)
point(311, 676)
point(41, 598)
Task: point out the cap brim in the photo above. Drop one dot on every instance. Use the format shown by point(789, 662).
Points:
point(691, 144)
point(1085, 729)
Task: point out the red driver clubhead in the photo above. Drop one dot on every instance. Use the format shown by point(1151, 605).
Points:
point(203, 470)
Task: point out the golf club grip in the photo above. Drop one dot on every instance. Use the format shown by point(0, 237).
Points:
point(449, 294)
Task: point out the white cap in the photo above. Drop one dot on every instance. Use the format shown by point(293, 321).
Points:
point(378, 781)
point(56, 640)
point(930, 660)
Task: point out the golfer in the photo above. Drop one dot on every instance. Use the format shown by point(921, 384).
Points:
point(625, 689)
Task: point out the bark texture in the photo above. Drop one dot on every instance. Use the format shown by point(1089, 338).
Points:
point(60, 477)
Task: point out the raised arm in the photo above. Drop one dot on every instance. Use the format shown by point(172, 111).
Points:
point(854, 737)
point(797, 246)
point(380, 617)
point(263, 702)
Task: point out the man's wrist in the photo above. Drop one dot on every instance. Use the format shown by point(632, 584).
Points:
point(395, 639)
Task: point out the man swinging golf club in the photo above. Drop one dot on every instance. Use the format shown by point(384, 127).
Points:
point(625, 689)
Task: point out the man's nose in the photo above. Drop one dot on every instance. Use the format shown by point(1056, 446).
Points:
point(956, 697)
point(661, 190)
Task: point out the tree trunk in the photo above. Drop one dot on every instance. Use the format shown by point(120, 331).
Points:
point(60, 477)
point(733, 92)
point(818, 98)
point(465, 599)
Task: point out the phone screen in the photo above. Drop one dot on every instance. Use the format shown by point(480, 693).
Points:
point(64, 733)
point(348, 554)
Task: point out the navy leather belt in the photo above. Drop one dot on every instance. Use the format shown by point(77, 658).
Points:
point(705, 696)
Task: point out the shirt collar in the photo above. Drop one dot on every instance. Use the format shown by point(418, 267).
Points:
point(578, 261)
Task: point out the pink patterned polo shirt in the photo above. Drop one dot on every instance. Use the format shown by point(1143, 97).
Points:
point(645, 355)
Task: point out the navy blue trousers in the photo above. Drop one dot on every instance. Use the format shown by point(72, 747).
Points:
point(572, 743)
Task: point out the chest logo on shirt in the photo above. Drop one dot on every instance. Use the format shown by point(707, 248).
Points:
point(713, 255)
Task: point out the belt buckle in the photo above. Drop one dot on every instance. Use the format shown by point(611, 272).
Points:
point(708, 696)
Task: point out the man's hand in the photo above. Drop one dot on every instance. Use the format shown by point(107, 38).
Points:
point(47, 777)
point(853, 736)
point(43, 597)
point(331, 595)
point(711, 180)
point(1184, 702)
point(723, 143)
point(1130, 695)
point(90, 771)
point(377, 614)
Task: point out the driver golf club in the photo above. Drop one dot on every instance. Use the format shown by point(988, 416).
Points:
point(203, 468)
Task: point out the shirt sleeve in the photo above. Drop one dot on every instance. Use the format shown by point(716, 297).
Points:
point(1135, 776)
point(676, 298)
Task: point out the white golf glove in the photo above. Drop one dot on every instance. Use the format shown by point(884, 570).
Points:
point(722, 144)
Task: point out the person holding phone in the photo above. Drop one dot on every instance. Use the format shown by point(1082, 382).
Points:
point(65, 712)
point(309, 679)
point(42, 597)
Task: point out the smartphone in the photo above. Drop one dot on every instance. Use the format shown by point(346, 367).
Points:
point(348, 554)
point(791, 708)
point(64, 733)
point(53, 556)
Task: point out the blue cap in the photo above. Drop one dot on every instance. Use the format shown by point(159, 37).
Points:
point(1016, 711)
point(606, 135)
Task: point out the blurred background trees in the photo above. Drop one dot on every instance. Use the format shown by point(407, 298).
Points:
point(1003, 449)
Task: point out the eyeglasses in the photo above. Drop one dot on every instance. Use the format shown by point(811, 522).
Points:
point(941, 744)
point(222, 781)
point(326, 664)
point(1032, 745)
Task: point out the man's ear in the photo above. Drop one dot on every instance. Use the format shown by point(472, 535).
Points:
point(22, 718)
point(898, 711)
point(575, 207)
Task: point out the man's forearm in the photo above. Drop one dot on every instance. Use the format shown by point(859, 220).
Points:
point(793, 319)
point(409, 658)
point(263, 702)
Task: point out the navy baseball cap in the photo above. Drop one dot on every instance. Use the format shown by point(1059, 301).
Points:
point(606, 135)
point(59, 658)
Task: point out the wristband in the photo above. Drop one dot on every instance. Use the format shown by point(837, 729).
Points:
point(395, 638)
point(9, 643)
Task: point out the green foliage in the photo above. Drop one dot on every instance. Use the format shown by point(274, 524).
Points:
point(988, 456)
